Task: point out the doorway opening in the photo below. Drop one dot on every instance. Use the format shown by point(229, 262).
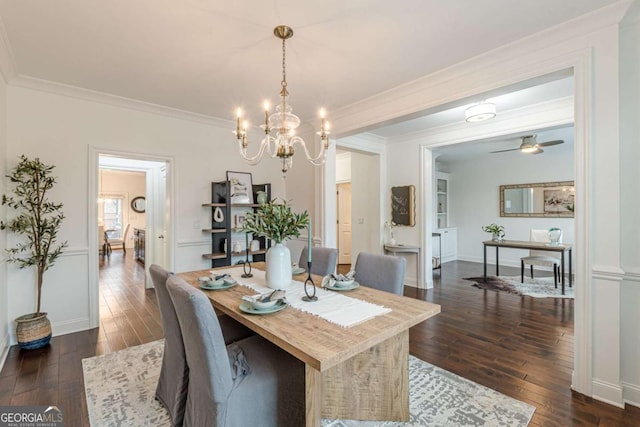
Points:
point(133, 218)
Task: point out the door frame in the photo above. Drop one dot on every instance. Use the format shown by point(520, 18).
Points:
point(92, 220)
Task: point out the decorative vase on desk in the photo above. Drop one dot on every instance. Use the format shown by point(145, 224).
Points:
point(554, 236)
point(278, 267)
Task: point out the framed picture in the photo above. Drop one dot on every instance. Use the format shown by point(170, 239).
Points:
point(558, 201)
point(403, 205)
point(240, 187)
point(239, 221)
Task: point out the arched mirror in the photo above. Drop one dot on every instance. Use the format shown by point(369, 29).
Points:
point(139, 204)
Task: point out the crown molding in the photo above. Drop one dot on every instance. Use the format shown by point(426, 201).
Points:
point(367, 143)
point(117, 101)
point(557, 112)
point(8, 66)
point(507, 65)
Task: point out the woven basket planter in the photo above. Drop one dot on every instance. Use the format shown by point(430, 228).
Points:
point(33, 331)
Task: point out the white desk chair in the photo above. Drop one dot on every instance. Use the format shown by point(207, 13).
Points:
point(542, 258)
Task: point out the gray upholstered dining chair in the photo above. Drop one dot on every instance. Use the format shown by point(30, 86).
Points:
point(384, 272)
point(174, 373)
point(324, 260)
point(250, 382)
point(172, 384)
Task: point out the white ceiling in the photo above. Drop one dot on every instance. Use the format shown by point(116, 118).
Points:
point(210, 57)
point(555, 89)
point(479, 150)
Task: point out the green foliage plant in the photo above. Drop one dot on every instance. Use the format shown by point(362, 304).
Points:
point(495, 229)
point(38, 220)
point(276, 221)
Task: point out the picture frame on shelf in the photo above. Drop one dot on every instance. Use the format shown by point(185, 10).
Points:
point(239, 221)
point(240, 187)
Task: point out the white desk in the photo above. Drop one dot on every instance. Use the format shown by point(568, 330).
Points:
point(410, 249)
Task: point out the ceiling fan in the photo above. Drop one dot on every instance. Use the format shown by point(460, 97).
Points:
point(530, 146)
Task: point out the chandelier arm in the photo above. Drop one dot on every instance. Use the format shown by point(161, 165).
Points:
point(251, 160)
point(314, 160)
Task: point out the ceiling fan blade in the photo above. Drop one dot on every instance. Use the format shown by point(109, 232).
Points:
point(502, 151)
point(550, 143)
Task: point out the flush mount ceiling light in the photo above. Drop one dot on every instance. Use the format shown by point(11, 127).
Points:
point(480, 112)
point(280, 127)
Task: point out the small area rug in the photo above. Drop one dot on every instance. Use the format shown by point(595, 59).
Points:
point(537, 287)
point(120, 389)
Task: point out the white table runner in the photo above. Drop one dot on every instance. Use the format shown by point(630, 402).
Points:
point(331, 306)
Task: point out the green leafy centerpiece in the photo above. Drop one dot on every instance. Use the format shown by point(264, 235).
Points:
point(38, 220)
point(276, 221)
point(497, 231)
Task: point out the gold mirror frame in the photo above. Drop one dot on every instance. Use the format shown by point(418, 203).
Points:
point(564, 214)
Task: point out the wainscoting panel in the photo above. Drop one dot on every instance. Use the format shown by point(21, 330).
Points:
point(65, 293)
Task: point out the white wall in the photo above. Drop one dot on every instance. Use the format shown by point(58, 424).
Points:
point(403, 169)
point(630, 204)
point(365, 220)
point(4, 285)
point(129, 185)
point(475, 199)
point(60, 129)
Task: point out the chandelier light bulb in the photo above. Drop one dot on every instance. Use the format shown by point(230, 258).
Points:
point(266, 105)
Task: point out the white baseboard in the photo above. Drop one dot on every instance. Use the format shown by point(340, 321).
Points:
point(607, 392)
point(631, 393)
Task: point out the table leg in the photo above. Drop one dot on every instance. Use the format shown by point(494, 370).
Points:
point(497, 263)
point(570, 270)
point(563, 252)
point(485, 263)
point(313, 396)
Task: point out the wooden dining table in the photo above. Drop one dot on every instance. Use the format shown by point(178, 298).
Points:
point(360, 372)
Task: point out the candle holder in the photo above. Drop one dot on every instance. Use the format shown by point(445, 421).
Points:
point(312, 297)
point(246, 274)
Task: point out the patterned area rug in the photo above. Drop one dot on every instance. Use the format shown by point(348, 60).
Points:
point(120, 389)
point(538, 287)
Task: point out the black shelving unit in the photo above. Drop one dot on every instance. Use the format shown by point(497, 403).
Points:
point(223, 231)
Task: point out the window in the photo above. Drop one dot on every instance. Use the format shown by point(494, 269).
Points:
point(112, 215)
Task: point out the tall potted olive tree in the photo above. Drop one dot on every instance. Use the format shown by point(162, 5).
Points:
point(38, 221)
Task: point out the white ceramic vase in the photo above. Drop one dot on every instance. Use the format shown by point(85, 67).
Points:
point(278, 267)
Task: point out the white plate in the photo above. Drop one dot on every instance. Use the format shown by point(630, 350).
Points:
point(350, 287)
point(248, 308)
point(297, 271)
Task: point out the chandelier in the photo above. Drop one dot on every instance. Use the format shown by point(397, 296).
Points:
point(280, 127)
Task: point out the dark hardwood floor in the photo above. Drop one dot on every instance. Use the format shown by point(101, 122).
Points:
point(519, 346)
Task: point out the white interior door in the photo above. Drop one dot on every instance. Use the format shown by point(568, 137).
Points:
point(344, 223)
point(157, 237)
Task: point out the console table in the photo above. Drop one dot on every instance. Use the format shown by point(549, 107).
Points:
point(399, 249)
point(538, 246)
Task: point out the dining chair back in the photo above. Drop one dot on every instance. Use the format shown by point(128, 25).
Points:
point(324, 260)
point(250, 382)
point(541, 258)
point(119, 242)
point(174, 373)
point(384, 272)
